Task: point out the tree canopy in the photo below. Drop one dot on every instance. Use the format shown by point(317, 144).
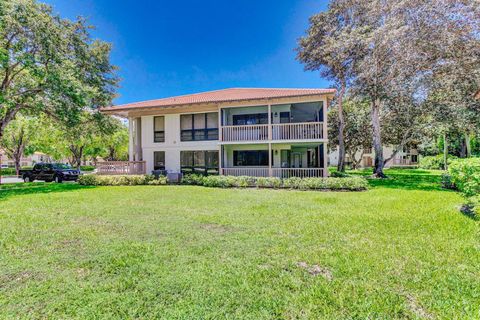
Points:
point(406, 58)
point(50, 65)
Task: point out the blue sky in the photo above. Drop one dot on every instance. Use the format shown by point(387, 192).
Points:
point(165, 48)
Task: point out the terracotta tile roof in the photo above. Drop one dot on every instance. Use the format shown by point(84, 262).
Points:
point(218, 96)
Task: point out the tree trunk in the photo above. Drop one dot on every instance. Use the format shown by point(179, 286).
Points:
point(17, 164)
point(77, 154)
point(341, 130)
point(377, 140)
point(445, 152)
point(467, 145)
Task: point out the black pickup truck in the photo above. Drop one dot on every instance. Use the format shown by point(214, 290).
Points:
point(49, 172)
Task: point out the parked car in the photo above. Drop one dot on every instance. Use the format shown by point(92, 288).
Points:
point(49, 172)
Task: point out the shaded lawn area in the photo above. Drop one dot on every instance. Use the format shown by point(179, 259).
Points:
point(399, 250)
point(408, 179)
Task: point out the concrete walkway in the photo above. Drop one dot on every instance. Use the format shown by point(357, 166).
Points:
point(11, 180)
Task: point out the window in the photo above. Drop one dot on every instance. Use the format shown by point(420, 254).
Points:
point(414, 158)
point(285, 117)
point(159, 160)
point(203, 162)
point(249, 158)
point(199, 126)
point(159, 129)
point(245, 119)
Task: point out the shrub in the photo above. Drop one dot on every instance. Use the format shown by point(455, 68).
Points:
point(162, 180)
point(87, 168)
point(447, 182)
point(88, 180)
point(271, 182)
point(466, 176)
point(131, 180)
point(8, 172)
point(354, 183)
point(292, 183)
point(435, 162)
point(193, 179)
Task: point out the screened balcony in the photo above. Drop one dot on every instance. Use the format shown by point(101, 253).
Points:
point(290, 122)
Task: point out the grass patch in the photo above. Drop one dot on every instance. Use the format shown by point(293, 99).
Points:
point(400, 250)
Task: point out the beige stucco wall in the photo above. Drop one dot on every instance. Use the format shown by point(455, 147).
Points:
point(172, 145)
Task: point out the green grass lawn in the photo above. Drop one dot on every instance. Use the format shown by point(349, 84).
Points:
point(400, 250)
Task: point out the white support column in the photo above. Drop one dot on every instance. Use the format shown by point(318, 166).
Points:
point(131, 138)
point(325, 137)
point(270, 171)
point(138, 142)
point(269, 122)
point(220, 161)
point(220, 121)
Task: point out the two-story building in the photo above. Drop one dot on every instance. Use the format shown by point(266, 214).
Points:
point(241, 131)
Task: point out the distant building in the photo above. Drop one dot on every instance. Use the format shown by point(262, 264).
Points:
point(26, 161)
point(405, 158)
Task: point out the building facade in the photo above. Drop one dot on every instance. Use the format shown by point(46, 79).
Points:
point(25, 161)
point(254, 132)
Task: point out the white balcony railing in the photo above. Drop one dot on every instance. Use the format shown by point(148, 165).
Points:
point(121, 167)
point(246, 171)
point(298, 172)
point(279, 132)
point(254, 132)
point(297, 131)
point(275, 172)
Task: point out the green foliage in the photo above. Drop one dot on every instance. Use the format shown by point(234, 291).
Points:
point(161, 181)
point(435, 162)
point(87, 168)
point(355, 183)
point(50, 65)
point(466, 176)
point(193, 179)
point(339, 174)
point(270, 182)
point(129, 180)
point(447, 182)
point(7, 171)
point(351, 183)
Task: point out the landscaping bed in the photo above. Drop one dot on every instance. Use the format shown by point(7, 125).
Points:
point(354, 183)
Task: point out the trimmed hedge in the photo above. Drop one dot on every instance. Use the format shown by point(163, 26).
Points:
point(354, 183)
point(8, 172)
point(87, 168)
point(435, 162)
point(131, 180)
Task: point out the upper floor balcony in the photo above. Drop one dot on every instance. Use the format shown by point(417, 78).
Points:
point(278, 123)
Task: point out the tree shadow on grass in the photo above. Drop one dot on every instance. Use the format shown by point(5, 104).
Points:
point(407, 179)
point(18, 189)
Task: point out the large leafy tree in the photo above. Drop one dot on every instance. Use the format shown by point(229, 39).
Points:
point(328, 48)
point(400, 47)
point(50, 65)
point(18, 139)
point(358, 132)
